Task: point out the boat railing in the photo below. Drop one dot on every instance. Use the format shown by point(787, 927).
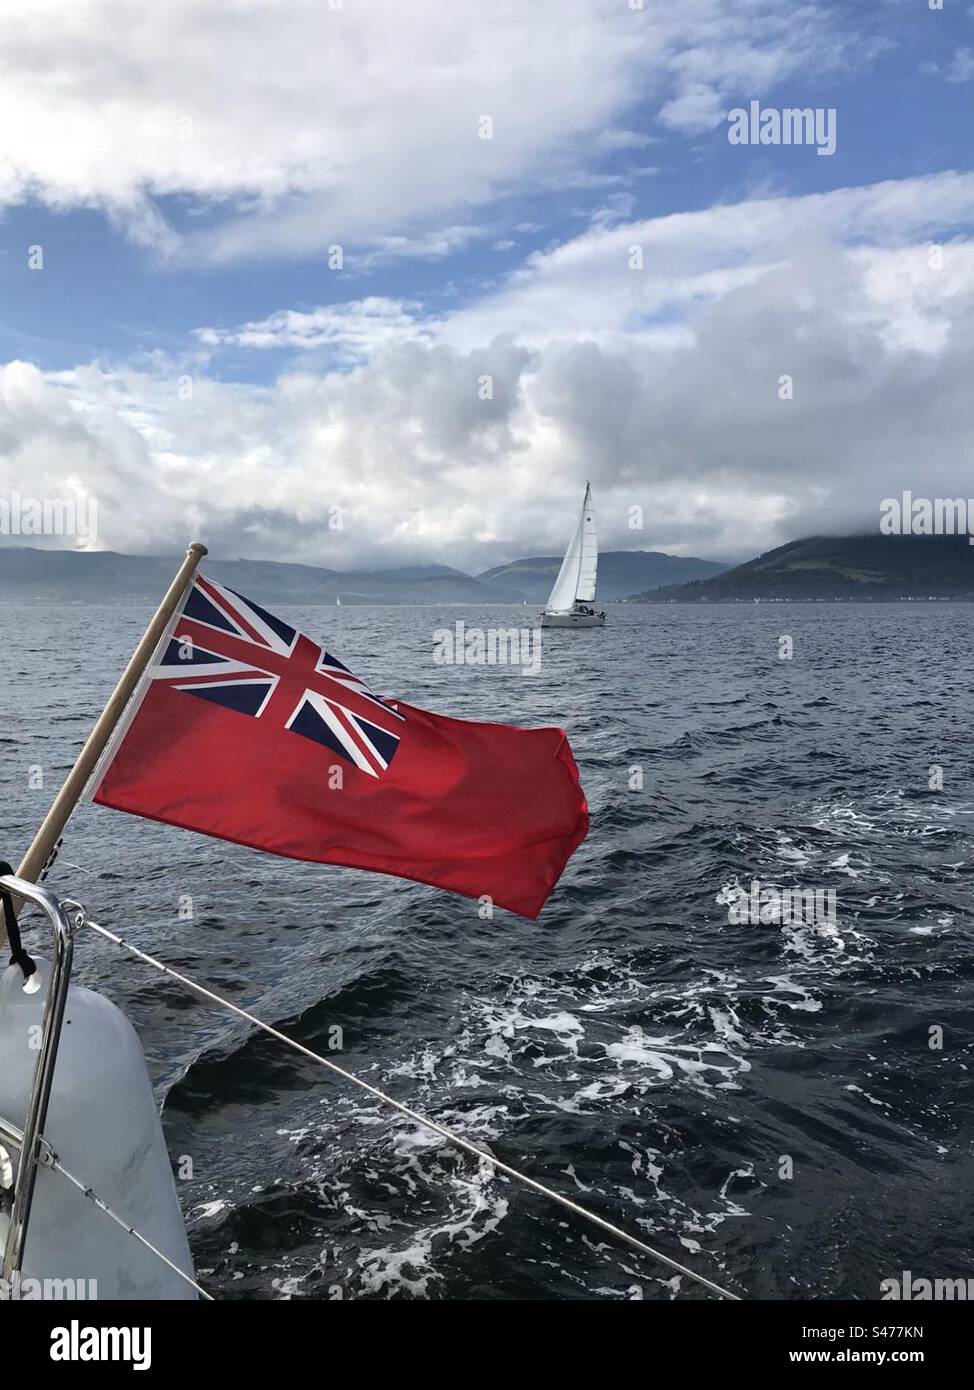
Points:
point(29, 1143)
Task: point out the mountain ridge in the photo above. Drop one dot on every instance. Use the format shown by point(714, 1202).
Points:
point(535, 575)
point(829, 569)
point(29, 574)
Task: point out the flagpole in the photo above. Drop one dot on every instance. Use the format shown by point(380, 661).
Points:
point(33, 863)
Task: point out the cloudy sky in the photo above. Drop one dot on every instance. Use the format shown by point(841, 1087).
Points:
point(435, 264)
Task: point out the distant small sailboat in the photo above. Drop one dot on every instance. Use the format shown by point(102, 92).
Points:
point(338, 600)
point(571, 600)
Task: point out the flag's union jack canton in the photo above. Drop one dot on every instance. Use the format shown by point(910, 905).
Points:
point(228, 650)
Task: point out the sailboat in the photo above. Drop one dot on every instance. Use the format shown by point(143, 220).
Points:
point(570, 602)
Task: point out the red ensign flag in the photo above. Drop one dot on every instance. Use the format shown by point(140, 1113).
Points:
point(247, 730)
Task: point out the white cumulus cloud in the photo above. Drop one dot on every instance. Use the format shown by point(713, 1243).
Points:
point(293, 126)
point(466, 438)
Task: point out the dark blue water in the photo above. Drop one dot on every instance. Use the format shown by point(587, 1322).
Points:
point(632, 1047)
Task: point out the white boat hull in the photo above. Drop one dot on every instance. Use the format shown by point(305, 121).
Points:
point(573, 620)
point(103, 1125)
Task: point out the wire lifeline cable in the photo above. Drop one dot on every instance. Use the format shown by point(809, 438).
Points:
point(92, 1196)
point(499, 1164)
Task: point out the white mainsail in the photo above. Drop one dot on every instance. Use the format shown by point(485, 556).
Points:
point(579, 569)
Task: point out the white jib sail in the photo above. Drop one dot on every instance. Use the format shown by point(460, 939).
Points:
point(579, 569)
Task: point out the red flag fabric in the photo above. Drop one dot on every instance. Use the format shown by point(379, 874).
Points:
point(249, 731)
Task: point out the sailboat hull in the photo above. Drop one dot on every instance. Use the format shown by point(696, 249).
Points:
point(573, 620)
point(104, 1126)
